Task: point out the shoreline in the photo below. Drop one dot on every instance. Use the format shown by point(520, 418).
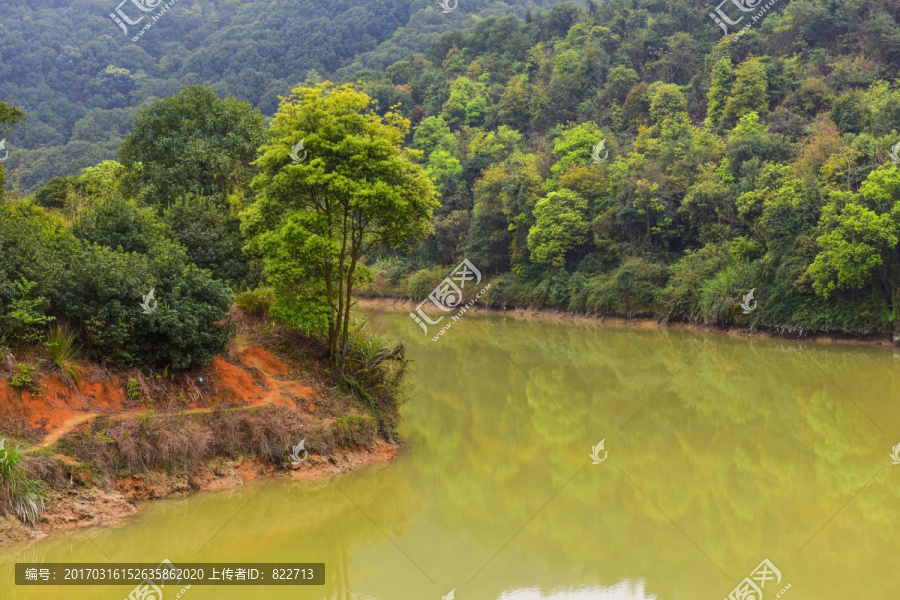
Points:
point(122, 500)
point(112, 439)
point(882, 340)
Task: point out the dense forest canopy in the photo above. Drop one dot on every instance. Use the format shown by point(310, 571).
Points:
point(619, 158)
point(81, 79)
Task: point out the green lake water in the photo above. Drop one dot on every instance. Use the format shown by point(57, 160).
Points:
point(723, 451)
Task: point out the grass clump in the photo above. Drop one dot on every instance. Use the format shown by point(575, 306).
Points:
point(63, 352)
point(19, 494)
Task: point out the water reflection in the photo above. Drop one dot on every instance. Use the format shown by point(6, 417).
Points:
point(730, 451)
point(626, 590)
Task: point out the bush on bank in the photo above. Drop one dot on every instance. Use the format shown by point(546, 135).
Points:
point(95, 275)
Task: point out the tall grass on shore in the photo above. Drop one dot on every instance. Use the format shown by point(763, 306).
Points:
point(173, 443)
point(19, 494)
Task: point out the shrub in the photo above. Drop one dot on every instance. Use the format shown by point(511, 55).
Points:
point(633, 289)
point(114, 222)
point(553, 288)
point(24, 376)
point(26, 316)
point(212, 238)
point(104, 297)
point(421, 283)
point(682, 295)
point(373, 370)
point(256, 302)
point(721, 295)
point(18, 493)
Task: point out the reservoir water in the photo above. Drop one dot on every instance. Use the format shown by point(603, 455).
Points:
point(719, 452)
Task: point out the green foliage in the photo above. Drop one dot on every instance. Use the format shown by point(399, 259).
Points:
point(667, 102)
point(24, 376)
point(855, 248)
point(749, 92)
point(312, 222)
point(633, 289)
point(133, 389)
point(123, 225)
point(684, 292)
point(574, 145)
point(560, 227)
point(720, 295)
point(19, 494)
point(739, 163)
point(722, 78)
point(421, 283)
point(432, 134)
point(256, 302)
point(26, 316)
point(97, 289)
point(211, 235)
point(192, 143)
point(373, 370)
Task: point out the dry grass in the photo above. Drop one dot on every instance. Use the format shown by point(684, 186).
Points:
point(175, 442)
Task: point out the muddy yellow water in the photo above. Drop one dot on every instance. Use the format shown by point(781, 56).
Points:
point(719, 452)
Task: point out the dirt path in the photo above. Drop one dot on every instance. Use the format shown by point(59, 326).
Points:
point(52, 437)
point(258, 378)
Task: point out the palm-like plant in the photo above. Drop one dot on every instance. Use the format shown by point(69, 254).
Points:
point(364, 368)
point(19, 493)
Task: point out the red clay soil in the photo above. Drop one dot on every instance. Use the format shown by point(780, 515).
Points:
point(57, 407)
point(250, 375)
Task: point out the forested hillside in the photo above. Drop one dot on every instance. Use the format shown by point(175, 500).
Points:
point(621, 158)
point(759, 161)
point(80, 78)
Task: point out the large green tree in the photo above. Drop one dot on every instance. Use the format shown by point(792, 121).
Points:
point(192, 143)
point(314, 220)
point(560, 226)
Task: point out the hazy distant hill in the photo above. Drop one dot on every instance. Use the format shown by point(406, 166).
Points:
point(80, 77)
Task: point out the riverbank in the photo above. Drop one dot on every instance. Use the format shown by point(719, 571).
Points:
point(647, 323)
point(111, 438)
